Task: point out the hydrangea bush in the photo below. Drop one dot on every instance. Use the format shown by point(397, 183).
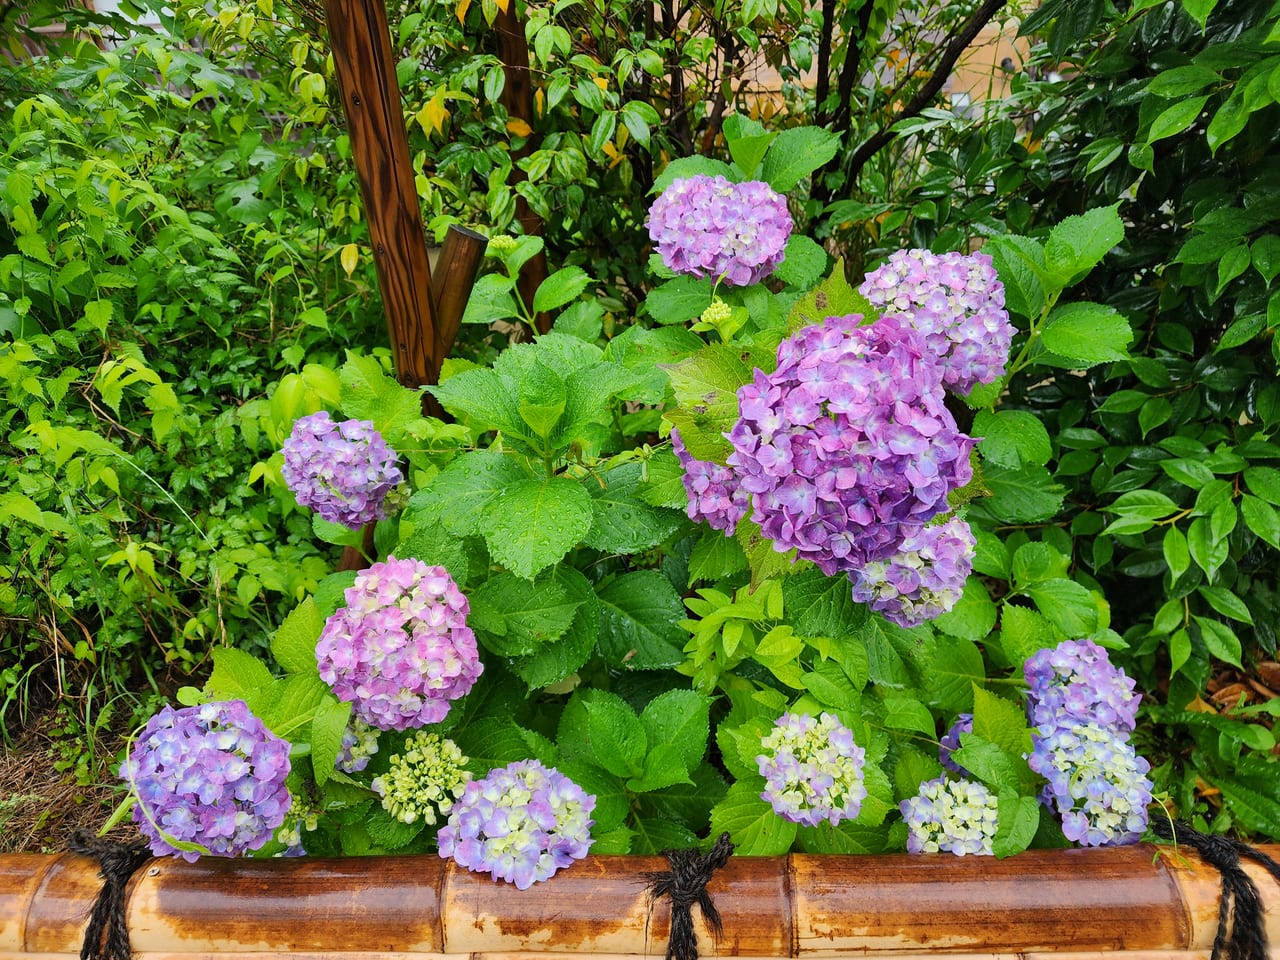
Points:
point(742, 565)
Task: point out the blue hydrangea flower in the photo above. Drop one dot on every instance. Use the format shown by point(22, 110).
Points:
point(847, 448)
point(423, 780)
point(956, 816)
point(400, 650)
point(359, 743)
point(715, 496)
point(956, 302)
point(812, 770)
point(951, 742)
point(923, 579)
point(1077, 681)
point(211, 775)
point(708, 227)
point(1096, 781)
point(343, 471)
point(520, 823)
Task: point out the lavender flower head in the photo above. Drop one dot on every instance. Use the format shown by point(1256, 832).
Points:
point(715, 496)
point(812, 770)
point(956, 302)
point(1076, 681)
point(956, 816)
point(359, 743)
point(400, 650)
point(708, 227)
point(211, 775)
point(423, 780)
point(847, 448)
point(923, 579)
point(1097, 782)
point(342, 471)
point(521, 823)
point(950, 742)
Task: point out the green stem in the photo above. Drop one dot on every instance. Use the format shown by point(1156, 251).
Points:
point(118, 814)
point(1021, 360)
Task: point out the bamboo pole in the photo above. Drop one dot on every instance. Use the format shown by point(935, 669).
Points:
point(1137, 902)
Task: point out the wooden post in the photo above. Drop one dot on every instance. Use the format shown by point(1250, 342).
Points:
point(457, 267)
point(365, 65)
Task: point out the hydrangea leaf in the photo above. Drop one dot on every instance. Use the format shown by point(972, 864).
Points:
point(1023, 632)
point(1025, 495)
point(653, 835)
point(639, 626)
point(329, 595)
point(238, 675)
point(1001, 721)
point(845, 838)
point(804, 263)
point(689, 802)
point(534, 523)
point(683, 167)
point(972, 617)
point(496, 741)
point(755, 829)
point(998, 769)
point(1077, 244)
point(390, 834)
point(613, 803)
point(294, 642)
point(1068, 605)
point(715, 556)
point(514, 618)
point(292, 702)
point(795, 154)
point(459, 494)
point(834, 297)
point(819, 605)
point(1011, 438)
point(558, 659)
point(327, 727)
point(1017, 821)
point(618, 740)
point(663, 766)
point(679, 717)
point(491, 299)
point(1086, 334)
point(615, 841)
point(621, 521)
point(706, 390)
point(949, 668)
point(369, 394)
point(424, 537)
point(559, 288)
point(542, 399)
point(678, 300)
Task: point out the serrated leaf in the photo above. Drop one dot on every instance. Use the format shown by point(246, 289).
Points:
point(804, 261)
point(1012, 438)
point(822, 606)
point(1001, 721)
point(534, 523)
point(618, 740)
point(834, 297)
point(1067, 604)
point(655, 835)
point(1017, 820)
point(796, 153)
point(1026, 495)
point(327, 728)
point(459, 494)
point(950, 668)
point(513, 617)
point(621, 521)
point(907, 713)
point(1023, 633)
point(1077, 244)
point(238, 676)
point(640, 613)
point(559, 288)
point(555, 660)
point(613, 803)
point(679, 300)
point(1086, 334)
point(973, 616)
point(680, 718)
point(663, 767)
point(705, 387)
point(1020, 264)
point(684, 167)
point(845, 839)
point(715, 556)
point(755, 829)
point(369, 394)
point(996, 768)
point(291, 702)
point(294, 642)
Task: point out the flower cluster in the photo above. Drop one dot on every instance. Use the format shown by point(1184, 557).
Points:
point(708, 227)
point(359, 743)
point(715, 496)
point(521, 823)
point(956, 302)
point(951, 742)
point(400, 650)
point(1076, 680)
point(1083, 710)
point(302, 815)
point(424, 780)
point(812, 769)
point(342, 471)
point(923, 579)
point(958, 816)
point(211, 775)
point(847, 448)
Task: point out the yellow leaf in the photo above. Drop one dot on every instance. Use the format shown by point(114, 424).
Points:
point(519, 127)
point(461, 10)
point(349, 258)
point(433, 114)
point(503, 4)
point(539, 101)
point(601, 82)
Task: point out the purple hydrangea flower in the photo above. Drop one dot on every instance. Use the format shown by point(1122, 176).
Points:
point(950, 742)
point(1096, 780)
point(708, 227)
point(715, 496)
point(400, 650)
point(847, 448)
point(923, 579)
point(211, 775)
point(342, 471)
point(521, 823)
point(812, 770)
point(359, 743)
point(958, 816)
point(956, 302)
point(1076, 681)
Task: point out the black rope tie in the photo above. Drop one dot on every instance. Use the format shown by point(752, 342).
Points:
point(686, 884)
point(1242, 933)
point(107, 936)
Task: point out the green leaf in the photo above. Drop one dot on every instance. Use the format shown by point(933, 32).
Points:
point(1176, 118)
point(1011, 438)
point(640, 613)
point(483, 396)
point(618, 740)
point(1023, 632)
point(1254, 810)
point(1226, 603)
point(327, 727)
point(514, 618)
point(1027, 495)
point(796, 153)
point(1182, 81)
point(369, 394)
point(715, 556)
point(291, 703)
point(554, 661)
point(1262, 519)
point(559, 288)
point(972, 617)
point(1264, 482)
point(239, 676)
point(491, 300)
point(1020, 264)
point(1067, 604)
point(755, 829)
point(621, 521)
point(706, 390)
point(1001, 721)
point(821, 606)
point(1176, 554)
point(1208, 553)
point(847, 838)
point(534, 523)
point(684, 167)
point(803, 263)
point(1078, 244)
point(542, 399)
point(1221, 640)
point(678, 300)
point(831, 298)
point(1017, 820)
point(1199, 10)
point(1086, 334)
point(906, 713)
point(424, 537)
point(294, 642)
point(459, 494)
point(996, 768)
point(613, 803)
point(679, 718)
point(656, 834)
point(663, 767)
point(950, 668)
point(748, 142)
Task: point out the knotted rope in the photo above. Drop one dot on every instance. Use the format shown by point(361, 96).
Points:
point(107, 936)
point(1242, 932)
point(686, 884)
